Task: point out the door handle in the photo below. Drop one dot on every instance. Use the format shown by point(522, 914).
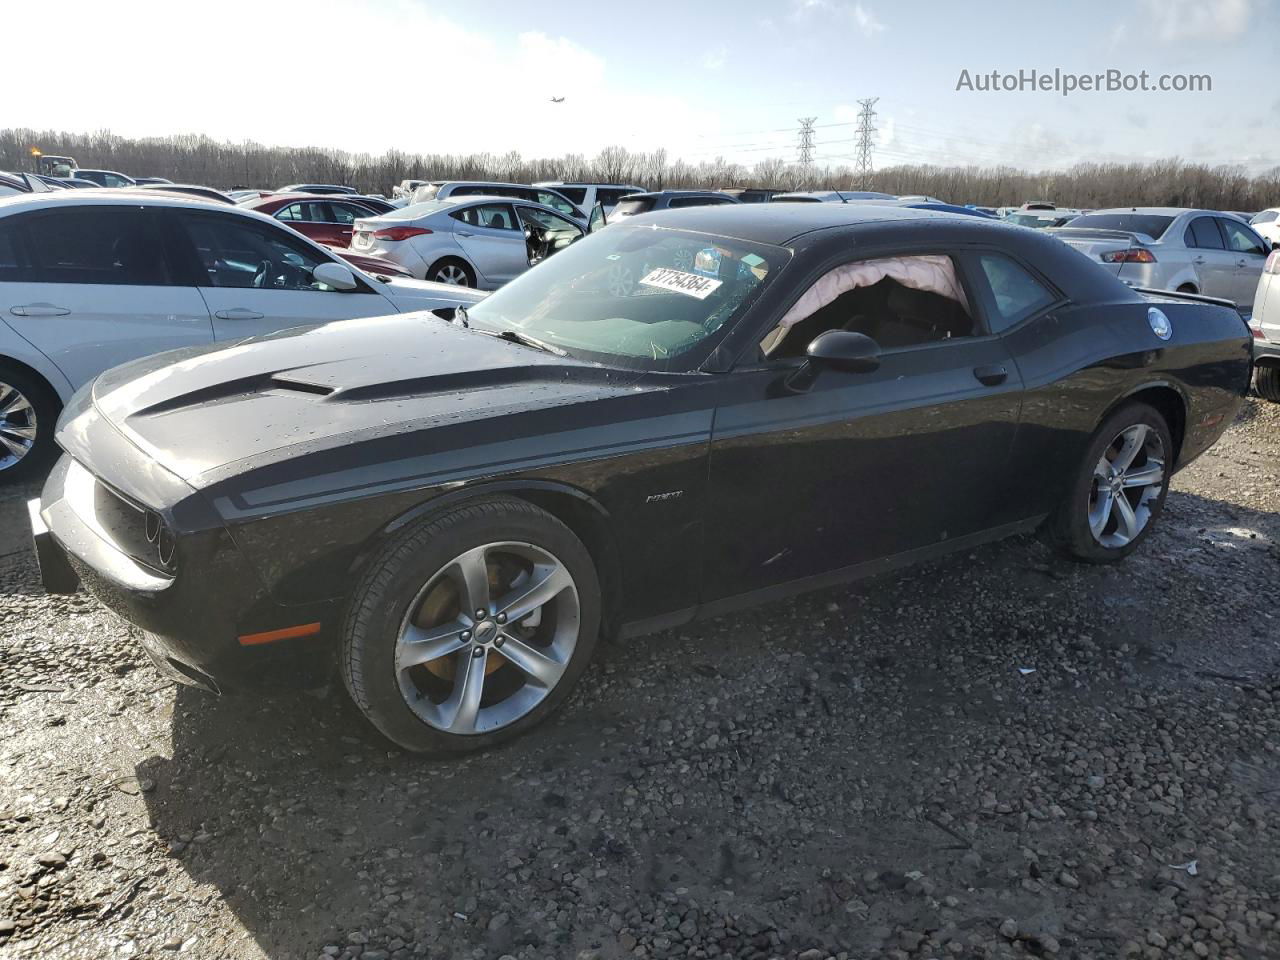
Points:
point(463, 233)
point(991, 375)
point(238, 313)
point(1242, 262)
point(39, 310)
point(1197, 260)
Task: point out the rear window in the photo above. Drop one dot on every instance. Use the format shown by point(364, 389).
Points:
point(629, 208)
point(1153, 225)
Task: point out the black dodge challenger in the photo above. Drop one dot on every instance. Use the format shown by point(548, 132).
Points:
point(676, 416)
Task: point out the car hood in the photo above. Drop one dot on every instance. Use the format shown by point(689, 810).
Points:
point(423, 294)
point(207, 413)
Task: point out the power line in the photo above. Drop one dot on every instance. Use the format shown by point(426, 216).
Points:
point(866, 131)
point(806, 144)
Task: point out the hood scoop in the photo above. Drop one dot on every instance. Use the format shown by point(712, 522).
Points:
point(238, 389)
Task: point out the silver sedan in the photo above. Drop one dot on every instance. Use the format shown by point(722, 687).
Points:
point(477, 242)
point(1172, 248)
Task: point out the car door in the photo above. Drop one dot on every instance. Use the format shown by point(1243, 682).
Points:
point(1215, 267)
point(340, 217)
point(860, 466)
point(311, 219)
point(1250, 255)
point(556, 232)
point(96, 288)
point(491, 237)
point(256, 277)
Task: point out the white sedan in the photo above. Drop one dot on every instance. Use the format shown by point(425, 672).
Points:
point(92, 279)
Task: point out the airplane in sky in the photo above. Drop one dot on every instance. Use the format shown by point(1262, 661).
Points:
point(557, 99)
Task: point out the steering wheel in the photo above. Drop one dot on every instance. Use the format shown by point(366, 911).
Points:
point(265, 269)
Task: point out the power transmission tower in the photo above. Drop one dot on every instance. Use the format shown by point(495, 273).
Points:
point(806, 145)
point(866, 132)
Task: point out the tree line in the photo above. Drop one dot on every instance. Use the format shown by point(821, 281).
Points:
point(191, 158)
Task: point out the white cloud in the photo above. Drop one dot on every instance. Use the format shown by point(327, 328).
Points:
point(429, 84)
point(866, 21)
point(1176, 21)
point(715, 59)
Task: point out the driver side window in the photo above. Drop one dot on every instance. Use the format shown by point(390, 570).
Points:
point(235, 252)
point(898, 302)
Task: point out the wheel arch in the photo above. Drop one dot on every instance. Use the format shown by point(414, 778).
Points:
point(7, 360)
point(1168, 399)
point(582, 513)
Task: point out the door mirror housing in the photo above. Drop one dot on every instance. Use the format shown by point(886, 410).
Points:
point(598, 218)
point(334, 275)
point(838, 350)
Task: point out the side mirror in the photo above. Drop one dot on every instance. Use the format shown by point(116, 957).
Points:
point(839, 350)
point(334, 275)
point(598, 219)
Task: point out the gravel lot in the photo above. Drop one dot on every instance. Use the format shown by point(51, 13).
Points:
point(869, 771)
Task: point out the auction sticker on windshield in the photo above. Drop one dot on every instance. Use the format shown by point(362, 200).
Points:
point(677, 281)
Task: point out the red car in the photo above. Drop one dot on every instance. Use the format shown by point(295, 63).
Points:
point(370, 264)
point(325, 219)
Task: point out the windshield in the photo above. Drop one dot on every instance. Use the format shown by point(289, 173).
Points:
point(1150, 224)
point(634, 296)
point(630, 208)
point(1032, 220)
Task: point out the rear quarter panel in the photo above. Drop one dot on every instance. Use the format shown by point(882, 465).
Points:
point(1080, 362)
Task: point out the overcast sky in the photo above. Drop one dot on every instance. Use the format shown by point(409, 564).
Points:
point(700, 79)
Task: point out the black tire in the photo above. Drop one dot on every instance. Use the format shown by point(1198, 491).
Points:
point(394, 580)
point(1188, 288)
point(1268, 383)
point(45, 407)
point(1067, 529)
point(454, 262)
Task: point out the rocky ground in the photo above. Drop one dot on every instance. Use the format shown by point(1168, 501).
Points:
point(1001, 754)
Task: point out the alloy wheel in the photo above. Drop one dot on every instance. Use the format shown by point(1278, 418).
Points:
point(1127, 482)
point(453, 274)
point(18, 426)
point(487, 638)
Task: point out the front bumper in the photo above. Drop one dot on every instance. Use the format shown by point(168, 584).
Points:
point(194, 620)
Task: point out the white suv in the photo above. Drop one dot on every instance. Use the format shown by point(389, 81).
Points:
point(1265, 324)
point(587, 195)
point(92, 279)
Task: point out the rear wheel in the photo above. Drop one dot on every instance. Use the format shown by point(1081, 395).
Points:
point(1268, 383)
point(452, 271)
point(28, 412)
point(1118, 491)
point(472, 627)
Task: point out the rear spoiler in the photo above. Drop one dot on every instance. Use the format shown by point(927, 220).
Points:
point(1098, 233)
point(1178, 295)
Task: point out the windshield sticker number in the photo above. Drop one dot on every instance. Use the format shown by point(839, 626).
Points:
point(677, 281)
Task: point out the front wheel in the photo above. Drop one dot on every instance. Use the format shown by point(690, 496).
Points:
point(471, 627)
point(1119, 490)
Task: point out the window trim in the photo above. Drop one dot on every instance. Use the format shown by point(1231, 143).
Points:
point(193, 267)
point(977, 306)
point(991, 306)
point(1226, 238)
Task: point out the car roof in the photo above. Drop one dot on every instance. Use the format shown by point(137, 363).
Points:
point(116, 197)
point(676, 193)
point(778, 224)
point(1153, 211)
